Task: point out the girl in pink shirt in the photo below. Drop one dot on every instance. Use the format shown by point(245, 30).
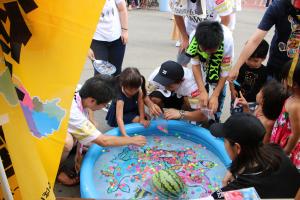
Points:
point(286, 130)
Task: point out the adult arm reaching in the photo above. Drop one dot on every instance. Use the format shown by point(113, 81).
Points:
point(196, 115)
point(114, 141)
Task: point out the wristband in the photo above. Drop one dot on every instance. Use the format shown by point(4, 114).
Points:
point(181, 112)
point(125, 29)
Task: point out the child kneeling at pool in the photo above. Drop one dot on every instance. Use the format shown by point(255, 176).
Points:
point(94, 95)
point(174, 87)
point(129, 106)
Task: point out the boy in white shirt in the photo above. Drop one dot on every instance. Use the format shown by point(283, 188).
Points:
point(173, 86)
point(211, 50)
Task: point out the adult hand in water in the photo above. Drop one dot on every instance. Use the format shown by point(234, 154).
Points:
point(139, 140)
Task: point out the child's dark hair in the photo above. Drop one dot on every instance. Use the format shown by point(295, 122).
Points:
point(100, 87)
point(296, 75)
point(261, 51)
point(132, 78)
point(274, 95)
point(209, 34)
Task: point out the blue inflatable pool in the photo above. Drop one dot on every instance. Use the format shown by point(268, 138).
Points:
point(178, 132)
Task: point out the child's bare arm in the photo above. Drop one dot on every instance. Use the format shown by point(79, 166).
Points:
point(214, 98)
point(141, 105)
point(203, 97)
point(294, 115)
point(119, 116)
point(233, 91)
point(141, 108)
point(268, 124)
point(114, 141)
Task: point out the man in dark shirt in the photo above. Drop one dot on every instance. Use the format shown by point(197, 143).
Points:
point(284, 15)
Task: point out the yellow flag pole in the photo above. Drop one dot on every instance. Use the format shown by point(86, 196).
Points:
point(4, 183)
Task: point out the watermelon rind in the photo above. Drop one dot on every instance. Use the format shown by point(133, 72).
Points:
point(163, 181)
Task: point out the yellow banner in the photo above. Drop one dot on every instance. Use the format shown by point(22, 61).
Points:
point(22, 164)
point(7, 164)
point(44, 44)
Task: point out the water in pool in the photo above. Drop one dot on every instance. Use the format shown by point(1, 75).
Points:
point(125, 172)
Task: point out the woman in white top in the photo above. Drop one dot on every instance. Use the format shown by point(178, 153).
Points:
point(111, 36)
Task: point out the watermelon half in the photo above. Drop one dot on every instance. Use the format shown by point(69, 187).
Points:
point(167, 183)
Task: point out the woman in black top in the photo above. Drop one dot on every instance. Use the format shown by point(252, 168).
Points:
point(264, 167)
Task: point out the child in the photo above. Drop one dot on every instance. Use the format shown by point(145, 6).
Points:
point(252, 76)
point(129, 106)
point(211, 50)
point(93, 95)
point(169, 83)
point(270, 100)
point(174, 86)
point(286, 131)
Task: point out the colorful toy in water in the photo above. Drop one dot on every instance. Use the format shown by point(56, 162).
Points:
point(163, 129)
point(168, 183)
point(145, 162)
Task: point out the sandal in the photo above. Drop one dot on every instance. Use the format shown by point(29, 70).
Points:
point(68, 176)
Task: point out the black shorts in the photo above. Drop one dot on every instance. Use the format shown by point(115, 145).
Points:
point(169, 102)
